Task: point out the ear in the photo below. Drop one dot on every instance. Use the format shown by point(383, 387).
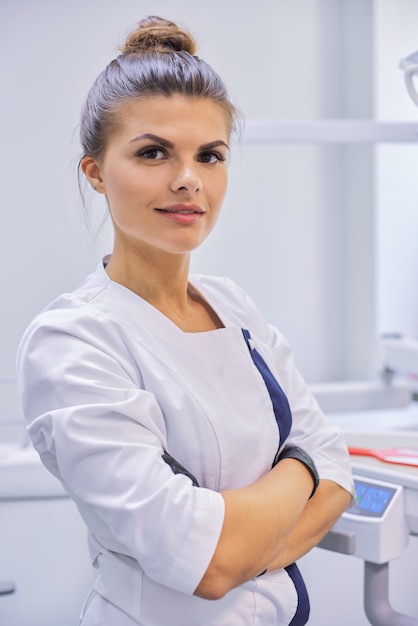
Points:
point(91, 170)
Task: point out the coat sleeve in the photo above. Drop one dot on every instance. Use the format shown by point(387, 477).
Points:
point(103, 437)
point(310, 429)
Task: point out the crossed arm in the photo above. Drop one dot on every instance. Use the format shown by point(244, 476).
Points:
point(270, 524)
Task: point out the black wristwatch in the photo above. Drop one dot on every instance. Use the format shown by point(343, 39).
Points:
point(294, 452)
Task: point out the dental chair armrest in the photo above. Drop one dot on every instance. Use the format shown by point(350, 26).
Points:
point(339, 541)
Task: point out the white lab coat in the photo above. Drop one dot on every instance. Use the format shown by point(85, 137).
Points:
point(108, 383)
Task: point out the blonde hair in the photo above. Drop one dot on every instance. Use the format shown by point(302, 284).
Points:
point(157, 58)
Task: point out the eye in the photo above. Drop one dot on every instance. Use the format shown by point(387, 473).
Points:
point(152, 153)
point(211, 157)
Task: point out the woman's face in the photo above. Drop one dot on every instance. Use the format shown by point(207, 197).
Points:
point(164, 172)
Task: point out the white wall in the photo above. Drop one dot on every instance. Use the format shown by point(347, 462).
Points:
point(396, 36)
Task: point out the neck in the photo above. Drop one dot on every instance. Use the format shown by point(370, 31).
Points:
point(162, 280)
point(156, 277)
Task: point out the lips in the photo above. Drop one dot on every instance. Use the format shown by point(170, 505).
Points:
point(182, 214)
point(182, 209)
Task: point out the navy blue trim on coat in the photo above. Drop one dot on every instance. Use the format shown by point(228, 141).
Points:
point(301, 616)
point(283, 417)
point(281, 407)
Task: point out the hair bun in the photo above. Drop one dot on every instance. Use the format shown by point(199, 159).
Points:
point(155, 34)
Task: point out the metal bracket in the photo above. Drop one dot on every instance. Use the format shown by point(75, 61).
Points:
point(376, 598)
point(6, 587)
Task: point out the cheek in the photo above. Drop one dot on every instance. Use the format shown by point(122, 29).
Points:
point(221, 188)
point(125, 192)
point(218, 192)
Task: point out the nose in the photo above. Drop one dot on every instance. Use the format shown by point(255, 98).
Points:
point(187, 180)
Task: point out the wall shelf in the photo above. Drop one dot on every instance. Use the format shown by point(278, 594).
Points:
point(328, 132)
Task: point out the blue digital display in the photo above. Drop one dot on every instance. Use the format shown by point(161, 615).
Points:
point(372, 500)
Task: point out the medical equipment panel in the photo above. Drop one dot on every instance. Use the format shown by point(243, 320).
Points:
point(378, 520)
point(372, 499)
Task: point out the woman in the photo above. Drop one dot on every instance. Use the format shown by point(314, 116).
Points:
point(158, 398)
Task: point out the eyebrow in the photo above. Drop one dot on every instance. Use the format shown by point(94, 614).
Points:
point(160, 140)
point(168, 144)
